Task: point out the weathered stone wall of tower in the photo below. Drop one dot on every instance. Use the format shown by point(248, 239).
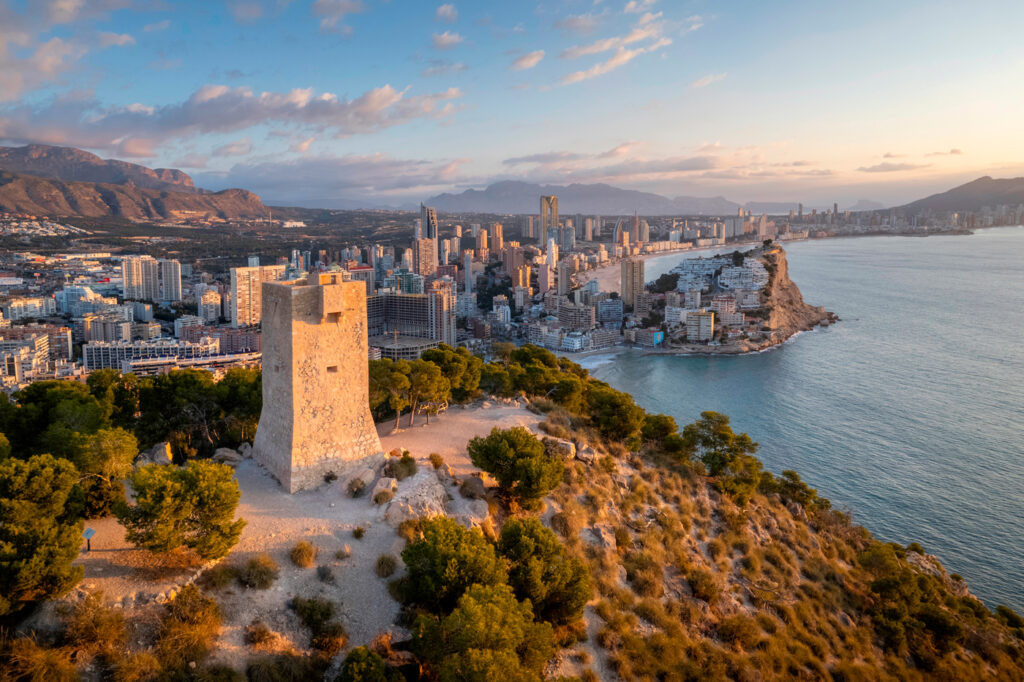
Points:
point(316, 416)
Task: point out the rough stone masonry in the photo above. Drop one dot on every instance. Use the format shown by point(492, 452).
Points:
point(316, 415)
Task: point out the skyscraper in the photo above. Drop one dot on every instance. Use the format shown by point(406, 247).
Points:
point(429, 225)
point(247, 292)
point(140, 276)
point(468, 275)
point(548, 217)
point(632, 280)
point(497, 237)
point(170, 280)
point(424, 259)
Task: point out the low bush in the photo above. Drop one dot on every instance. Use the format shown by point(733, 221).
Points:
point(436, 460)
point(401, 468)
point(343, 553)
point(284, 668)
point(259, 572)
point(218, 673)
point(314, 612)
point(703, 585)
point(363, 665)
point(356, 487)
point(258, 633)
point(330, 639)
point(304, 553)
point(141, 666)
point(358, 532)
point(325, 574)
point(383, 496)
point(386, 565)
point(27, 660)
point(188, 629)
point(92, 628)
point(218, 577)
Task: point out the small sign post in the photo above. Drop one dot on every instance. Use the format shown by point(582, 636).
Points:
point(87, 534)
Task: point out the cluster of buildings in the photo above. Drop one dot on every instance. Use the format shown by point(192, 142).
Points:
point(24, 225)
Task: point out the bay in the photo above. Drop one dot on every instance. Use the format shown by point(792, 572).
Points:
point(909, 413)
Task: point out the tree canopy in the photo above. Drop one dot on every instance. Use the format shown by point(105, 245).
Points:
point(519, 463)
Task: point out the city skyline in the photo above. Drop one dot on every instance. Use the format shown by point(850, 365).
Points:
point(792, 102)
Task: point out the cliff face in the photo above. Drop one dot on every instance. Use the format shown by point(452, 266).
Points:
point(787, 311)
point(74, 165)
point(37, 195)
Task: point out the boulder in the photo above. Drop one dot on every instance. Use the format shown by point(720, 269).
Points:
point(160, 454)
point(421, 496)
point(386, 487)
point(559, 448)
point(474, 514)
point(587, 455)
point(473, 488)
point(245, 450)
point(601, 535)
point(360, 481)
point(227, 456)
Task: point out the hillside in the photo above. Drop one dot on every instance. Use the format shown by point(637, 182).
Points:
point(42, 196)
point(75, 165)
point(973, 196)
point(523, 197)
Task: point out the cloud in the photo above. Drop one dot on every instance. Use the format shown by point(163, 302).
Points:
point(581, 24)
point(157, 26)
point(191, 161)
point(322, 178)
point(890, 155)
point(302, 146)
point(645, 31)
point(693, 23)
point(241, 147)
point(621, 57)
point(439, 67)
point(446, 40)
point(638, 6)
point(544, 158)
point(44, 65)
point(219, 109)
point(618, 151)
point(110, 39)
point(333, 12)
point(951, 152)
point(527, 61)
point(891, 167)
point(447, 13)
point(707, 80)
point(246, 12)
point(134, 147)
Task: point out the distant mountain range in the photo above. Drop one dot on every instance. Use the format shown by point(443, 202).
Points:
point(972, 196)
point(63, 181)
point(510, 196)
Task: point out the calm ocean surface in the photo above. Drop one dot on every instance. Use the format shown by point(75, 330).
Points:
point(909, 413)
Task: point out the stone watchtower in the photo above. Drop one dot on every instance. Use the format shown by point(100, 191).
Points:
point(316, 414)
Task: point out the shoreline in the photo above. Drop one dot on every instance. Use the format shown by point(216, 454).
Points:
point(610, 271)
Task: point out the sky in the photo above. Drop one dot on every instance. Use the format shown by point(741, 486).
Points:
point(388, 102)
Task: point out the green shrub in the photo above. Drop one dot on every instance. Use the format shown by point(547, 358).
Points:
point(386, 565)
point(141, 666)
point(41, 531)
point(363, 665)
point(314, 612)
point(401, 468)
point(740, 630)
point(383, 496)
point(557, 585)
point(356, 487)
point(329, 639)
point(445, 561)
point(192, 506)
point(325, 574)
point(519, 463)
point(259, 572)
point(303, 554)
point(358, 532)
point(218, 577)
point(436, 460)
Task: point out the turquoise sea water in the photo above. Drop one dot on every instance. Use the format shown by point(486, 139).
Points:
point(909, 413)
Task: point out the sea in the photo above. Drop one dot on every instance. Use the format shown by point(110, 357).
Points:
point(908, 413)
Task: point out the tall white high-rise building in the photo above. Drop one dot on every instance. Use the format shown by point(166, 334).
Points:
point(247, 292)
point(170, 280)
point(548, 217)
point(468, 273)
point(552, 252)
point(140, 276)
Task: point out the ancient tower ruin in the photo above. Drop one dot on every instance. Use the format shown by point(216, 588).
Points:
point(316, 416)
